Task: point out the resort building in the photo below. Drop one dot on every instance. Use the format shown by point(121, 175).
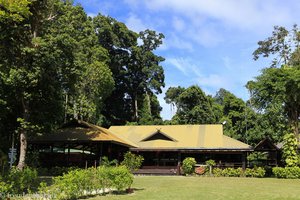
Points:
point(162, 146)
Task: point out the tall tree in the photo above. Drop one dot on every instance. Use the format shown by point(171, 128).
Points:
point(135, 67)
point(118, 40)
point(283, 46)
point(193, 106)
point(144, 73)
point(19, 42)
point(233, 112)
point(94, 78)
point(38, 65)
point(279, 85)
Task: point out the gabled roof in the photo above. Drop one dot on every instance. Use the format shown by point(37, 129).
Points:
point(158, 135)
point(205, 137)
point(266, 145)
point(77, 130)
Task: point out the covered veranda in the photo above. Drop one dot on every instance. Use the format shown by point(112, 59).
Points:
point(78, 143)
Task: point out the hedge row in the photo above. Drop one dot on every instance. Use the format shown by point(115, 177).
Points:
point(83, 182)
point(286, 172)
point(239, 172)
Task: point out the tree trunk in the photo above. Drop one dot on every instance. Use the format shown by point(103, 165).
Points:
point(23, 149)
point(23, 135)
point(296, 130)
point(136, 108)
point(66, 108)
point(149, 103)
point(295, 123)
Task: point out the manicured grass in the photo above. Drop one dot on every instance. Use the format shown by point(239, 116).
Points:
point(188, 188)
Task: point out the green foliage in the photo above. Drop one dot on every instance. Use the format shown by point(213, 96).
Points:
point(15, 11)
point(217, 172)
point(107, 163)
point(193, 106)
point(283, 44)
point(19, 182)
point(135, 67)
point(289, 150)
point(279, 85)
point(256, 158)
point(287, 172)
point(188, 165)
point(258, 172)
point(4, 186)
point(132, 161)
point(70, 185)
point(121, 178)
point(210, 162)
point(231, 172)
point(83, 182)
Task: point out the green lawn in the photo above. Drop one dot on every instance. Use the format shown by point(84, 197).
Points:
point(188, 188)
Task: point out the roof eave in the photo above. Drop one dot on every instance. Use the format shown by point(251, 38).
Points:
point(194, 149)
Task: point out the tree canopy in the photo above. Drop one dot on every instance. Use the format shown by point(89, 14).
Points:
point(279, 86)
point(57, 64)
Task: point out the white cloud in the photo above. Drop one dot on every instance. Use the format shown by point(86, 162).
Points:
point(175, 41)
point(134, 23)
point(205, 36)
point(167, 110)
point(186, 66)
point(227, 62)
point(179, 64)
point(215, 81)
point(133, 3)
point(251, 15)
point(178, 24)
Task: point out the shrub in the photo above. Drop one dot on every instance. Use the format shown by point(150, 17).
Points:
point(22, 181)
point(188, 165)
point(71, 185)
point(287, 172)
point(217, 172)
point(121, 178)
point(4, 187)
point(258, 172)
point(289, 150)
point(239, 172)
point(231, 172)
point(82, 182)
point(132, 161)
point(210, 163)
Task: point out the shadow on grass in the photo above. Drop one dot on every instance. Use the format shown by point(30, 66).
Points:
point(116, 193)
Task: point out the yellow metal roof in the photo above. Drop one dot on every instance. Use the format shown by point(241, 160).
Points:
point(178, 137)
point(82, 131)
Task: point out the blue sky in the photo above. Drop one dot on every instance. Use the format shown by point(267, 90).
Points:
point(207, 42)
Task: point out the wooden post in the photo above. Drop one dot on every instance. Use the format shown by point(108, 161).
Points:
point(68, 155)
point(178, 162)
point(244, 160)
